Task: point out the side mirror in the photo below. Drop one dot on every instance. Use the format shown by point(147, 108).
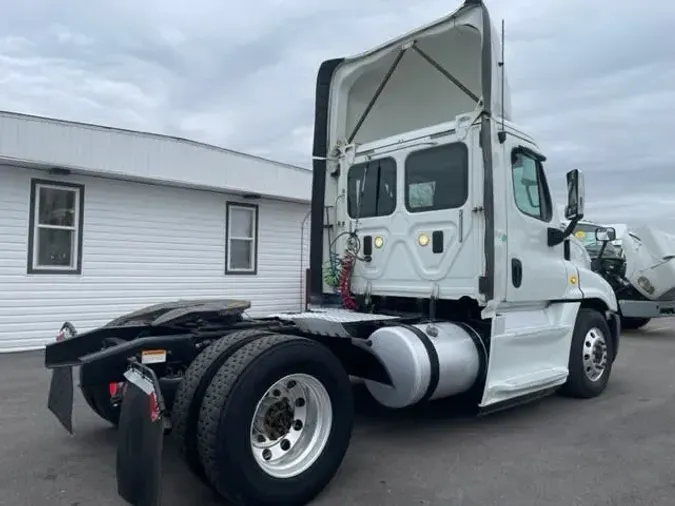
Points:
point(576, 195)
point(605, 234)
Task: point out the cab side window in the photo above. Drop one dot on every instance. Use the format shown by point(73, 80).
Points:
point(530, 190)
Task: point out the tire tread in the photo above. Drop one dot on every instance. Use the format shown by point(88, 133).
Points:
point(215, 399)
point(187, 404)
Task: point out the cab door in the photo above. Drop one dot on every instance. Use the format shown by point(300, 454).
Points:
point(532, 329)
point(537, 271)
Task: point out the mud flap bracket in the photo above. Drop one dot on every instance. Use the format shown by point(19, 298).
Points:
point(140, 438)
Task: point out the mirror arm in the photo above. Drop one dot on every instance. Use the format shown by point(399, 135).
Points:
point(557, 236)
point(596, 264)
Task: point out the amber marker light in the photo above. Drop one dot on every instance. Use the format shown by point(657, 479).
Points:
point(379, 242)
point(423, 239)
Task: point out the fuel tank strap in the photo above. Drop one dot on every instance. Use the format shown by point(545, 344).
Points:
point(481, 349)
point(434, 365)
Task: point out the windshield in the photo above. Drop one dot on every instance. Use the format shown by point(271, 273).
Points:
point(585, 232)
point(611, 251)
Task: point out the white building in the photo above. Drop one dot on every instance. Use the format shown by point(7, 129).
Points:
point(96, 222)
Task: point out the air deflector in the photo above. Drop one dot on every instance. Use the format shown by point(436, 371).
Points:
point(425, 77)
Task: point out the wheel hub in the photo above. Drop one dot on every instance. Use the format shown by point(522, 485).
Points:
point(291, 425)
point(279, 419)
point(594, 354)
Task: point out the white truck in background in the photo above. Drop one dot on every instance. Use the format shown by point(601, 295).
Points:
point(585, 233)
point(432, 209)
point(639, 264)
point(620, 230)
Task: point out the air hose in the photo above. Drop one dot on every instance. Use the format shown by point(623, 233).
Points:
point(348, 261)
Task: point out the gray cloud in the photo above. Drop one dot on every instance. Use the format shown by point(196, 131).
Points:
point(593, 82)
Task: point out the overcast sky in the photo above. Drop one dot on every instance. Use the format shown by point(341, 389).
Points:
point(598, 95)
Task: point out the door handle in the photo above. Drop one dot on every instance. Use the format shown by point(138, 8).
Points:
point(516, 272)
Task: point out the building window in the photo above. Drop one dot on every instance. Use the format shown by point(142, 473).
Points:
point(437, 178)
point(241, 234)
point(55, 230)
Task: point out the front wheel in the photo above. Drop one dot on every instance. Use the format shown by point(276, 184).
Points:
point(275, 422)
point(591, 356)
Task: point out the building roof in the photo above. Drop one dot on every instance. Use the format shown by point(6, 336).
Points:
point(48, 143)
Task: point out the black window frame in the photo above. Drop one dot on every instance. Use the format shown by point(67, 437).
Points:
point(33, 225)
point(545, 201)
point(256, 238)
point(372, 163)
point(419, 152)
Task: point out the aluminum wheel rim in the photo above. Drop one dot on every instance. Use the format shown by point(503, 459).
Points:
point(594, 354)
point(291, 425)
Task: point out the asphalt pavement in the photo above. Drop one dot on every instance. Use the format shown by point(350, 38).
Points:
point(618, 449)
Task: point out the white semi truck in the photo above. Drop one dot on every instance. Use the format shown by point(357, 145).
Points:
point(432, 209)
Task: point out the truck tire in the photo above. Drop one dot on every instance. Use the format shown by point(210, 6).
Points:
point(97, 398)
point(185, 411)
point(591, 356)
point(275, 422)
point(634, 323)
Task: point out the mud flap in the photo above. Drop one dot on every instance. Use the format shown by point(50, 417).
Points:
point(60, 399)
point(140, 438)
point(61, 396)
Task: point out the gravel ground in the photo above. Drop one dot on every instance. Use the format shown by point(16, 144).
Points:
point(614, 450)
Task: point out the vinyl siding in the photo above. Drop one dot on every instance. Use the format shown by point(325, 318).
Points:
point(140, 156)
point(142, 244)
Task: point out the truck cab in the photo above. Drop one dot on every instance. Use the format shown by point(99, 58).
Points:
point(442, 203)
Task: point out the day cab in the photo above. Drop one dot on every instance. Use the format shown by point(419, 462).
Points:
point(416, 155)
